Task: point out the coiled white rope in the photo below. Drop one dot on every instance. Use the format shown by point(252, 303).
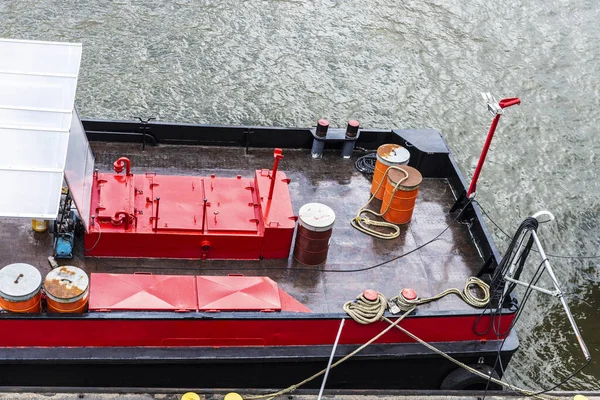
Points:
point(366, 311)
point(363, 223)
point(466, 294)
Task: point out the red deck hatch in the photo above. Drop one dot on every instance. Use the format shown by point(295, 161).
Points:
point(137, 292)
point(237, 293)
point(230, 205)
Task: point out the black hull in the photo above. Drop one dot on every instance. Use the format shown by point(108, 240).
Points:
point(400, 366)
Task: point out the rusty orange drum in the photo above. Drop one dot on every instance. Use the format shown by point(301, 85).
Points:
point(398, 203)
point(67, 290)
point(20, 288)
point(388, 155)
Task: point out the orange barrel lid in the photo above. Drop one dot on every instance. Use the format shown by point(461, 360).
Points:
point(414, 177)
point(316, 217)
point(19, 282)
point(392, 154)
point(66, 284)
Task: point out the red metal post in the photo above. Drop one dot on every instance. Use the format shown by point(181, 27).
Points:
point(504, 103)
point(278, 155)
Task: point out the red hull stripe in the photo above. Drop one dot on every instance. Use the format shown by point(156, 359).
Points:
point(110, 332)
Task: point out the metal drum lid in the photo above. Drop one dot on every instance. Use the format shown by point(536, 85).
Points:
point(19, 282)
point(66, 284)
point(316, 217)
point(392, 154)
point(414, 177)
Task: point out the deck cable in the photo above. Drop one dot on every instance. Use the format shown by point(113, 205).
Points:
point(487, 214)
point(513, 257)
point(366, 164)
point(287, 268)
point(363, 223)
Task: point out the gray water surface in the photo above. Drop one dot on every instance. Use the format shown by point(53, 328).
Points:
point(405, 64)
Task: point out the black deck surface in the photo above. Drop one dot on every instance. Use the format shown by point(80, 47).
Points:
point(446, 262)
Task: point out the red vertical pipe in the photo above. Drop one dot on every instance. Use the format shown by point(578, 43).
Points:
point(278, 155)
point(486, 147)
point(504, 103)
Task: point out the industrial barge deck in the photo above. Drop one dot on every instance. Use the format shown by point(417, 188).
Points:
point(269, 349)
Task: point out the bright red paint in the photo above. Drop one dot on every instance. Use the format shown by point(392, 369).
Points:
point(234, 331)
point(147, 292)
point(160, 216)
point(139, 292)
point(237, 293)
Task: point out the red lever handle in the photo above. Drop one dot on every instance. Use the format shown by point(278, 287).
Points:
point(511, 101)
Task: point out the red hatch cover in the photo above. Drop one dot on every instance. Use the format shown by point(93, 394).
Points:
point(230, 205)
point(181, 201)
point(237, 293)
point(142, 292)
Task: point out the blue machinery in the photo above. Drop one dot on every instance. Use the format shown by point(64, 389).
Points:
point(64, 228)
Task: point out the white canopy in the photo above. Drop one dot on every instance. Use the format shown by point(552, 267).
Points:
point(38, 81)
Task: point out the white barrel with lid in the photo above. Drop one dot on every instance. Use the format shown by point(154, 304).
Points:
point(315, 225)
point(20, 286)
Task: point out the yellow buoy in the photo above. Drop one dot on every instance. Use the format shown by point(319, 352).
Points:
point(233, 396)
point(190, 396)
point(580, 397)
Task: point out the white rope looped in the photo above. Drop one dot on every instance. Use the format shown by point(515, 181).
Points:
point(466, 294)
point(363, 224)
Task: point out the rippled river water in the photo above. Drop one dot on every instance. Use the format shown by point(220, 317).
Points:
point(406, 64)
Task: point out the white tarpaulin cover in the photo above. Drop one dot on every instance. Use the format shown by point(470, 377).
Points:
point(37, 93)
point(79, 169)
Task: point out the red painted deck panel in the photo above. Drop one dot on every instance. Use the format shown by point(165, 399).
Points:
point(181, 201)
point(137, 292)
point(141, 292)
point(231, 205)
point(237, 293)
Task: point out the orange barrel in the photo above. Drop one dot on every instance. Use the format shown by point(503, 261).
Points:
point(401, 202)
point(315, 224)
point(67, 290)
point(388, 155)
point(20, 288)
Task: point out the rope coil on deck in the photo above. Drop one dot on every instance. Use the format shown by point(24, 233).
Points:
point(365, 311)
point(466, 294)
point(363, 223)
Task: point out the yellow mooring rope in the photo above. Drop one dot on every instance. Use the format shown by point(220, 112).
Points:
point(466, 294)
point(363, 223)
point(297, 385)
point(365, 311)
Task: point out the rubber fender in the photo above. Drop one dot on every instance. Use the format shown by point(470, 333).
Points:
point(461, 379)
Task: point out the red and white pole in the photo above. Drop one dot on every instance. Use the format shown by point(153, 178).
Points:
point(504, 103)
